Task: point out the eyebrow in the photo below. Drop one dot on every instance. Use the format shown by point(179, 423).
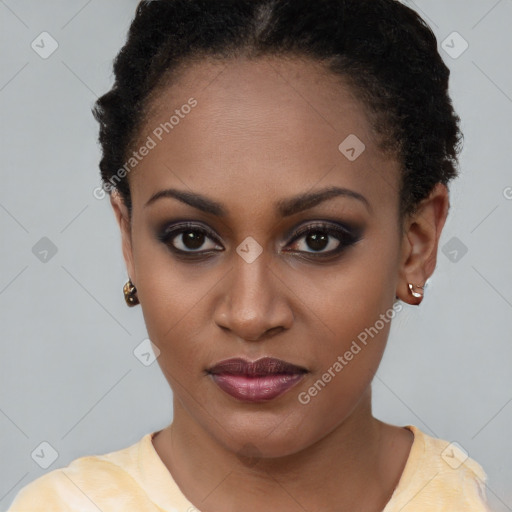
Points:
point(284, 207)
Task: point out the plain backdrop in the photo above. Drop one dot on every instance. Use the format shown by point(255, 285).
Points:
point(70, 377)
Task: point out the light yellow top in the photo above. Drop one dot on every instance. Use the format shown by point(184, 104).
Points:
point(437, 477)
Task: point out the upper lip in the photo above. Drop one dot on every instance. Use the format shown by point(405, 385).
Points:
point(261, 367)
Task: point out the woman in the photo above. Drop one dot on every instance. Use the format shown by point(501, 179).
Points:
point(279, 173)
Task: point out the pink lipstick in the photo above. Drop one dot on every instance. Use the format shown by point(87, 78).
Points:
point(261, 380)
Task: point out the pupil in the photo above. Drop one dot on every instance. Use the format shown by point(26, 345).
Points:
point(193, 240)
point(317, 242)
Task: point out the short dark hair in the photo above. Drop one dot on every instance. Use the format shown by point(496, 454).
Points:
point(384, 49)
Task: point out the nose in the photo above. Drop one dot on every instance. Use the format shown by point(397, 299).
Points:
point(255, 301)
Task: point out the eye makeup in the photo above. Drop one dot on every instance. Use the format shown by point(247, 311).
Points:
point(188, 240)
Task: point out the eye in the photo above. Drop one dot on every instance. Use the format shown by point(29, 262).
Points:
point(321, 236)
point(188, 238)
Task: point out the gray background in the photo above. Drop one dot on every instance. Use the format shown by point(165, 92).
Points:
point(69, 376)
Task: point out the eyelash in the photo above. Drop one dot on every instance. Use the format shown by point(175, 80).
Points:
point(343, 235)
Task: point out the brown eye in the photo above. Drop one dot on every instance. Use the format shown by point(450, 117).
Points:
point(324, 239)
point(192, 239)
point(189, 238)
point(318, 241)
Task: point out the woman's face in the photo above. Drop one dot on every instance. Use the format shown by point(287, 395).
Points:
point(254, 138)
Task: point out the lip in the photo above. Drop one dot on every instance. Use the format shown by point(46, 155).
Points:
point(256, 381)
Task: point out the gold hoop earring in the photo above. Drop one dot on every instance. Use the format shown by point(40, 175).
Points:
point(130, 294)
point(416, 294)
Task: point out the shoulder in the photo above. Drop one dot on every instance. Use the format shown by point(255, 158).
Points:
point(440, 475)
point(87, 484)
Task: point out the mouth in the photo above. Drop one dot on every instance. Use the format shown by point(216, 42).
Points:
point(261, 380)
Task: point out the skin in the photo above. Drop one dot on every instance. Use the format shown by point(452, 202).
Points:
point(264, 131)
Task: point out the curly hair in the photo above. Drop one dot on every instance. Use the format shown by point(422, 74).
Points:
point(384, 49)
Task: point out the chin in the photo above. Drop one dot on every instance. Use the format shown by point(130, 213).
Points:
point(264, 436)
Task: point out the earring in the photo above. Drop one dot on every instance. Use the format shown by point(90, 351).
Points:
point(416, 294)
point(130, 294)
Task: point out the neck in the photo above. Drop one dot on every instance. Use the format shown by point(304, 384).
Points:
point(215, 478)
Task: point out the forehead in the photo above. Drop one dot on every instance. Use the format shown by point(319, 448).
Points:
point(266, 128)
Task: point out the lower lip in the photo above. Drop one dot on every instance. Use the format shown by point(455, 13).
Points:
point(256, 389)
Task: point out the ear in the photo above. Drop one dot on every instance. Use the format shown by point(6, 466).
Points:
point(123, 219)
point(421, 233)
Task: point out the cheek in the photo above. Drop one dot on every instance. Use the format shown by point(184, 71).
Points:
point(174, 301)
point(355, 305)
point(350, 297)
point(345, 362)
point(347, 355)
